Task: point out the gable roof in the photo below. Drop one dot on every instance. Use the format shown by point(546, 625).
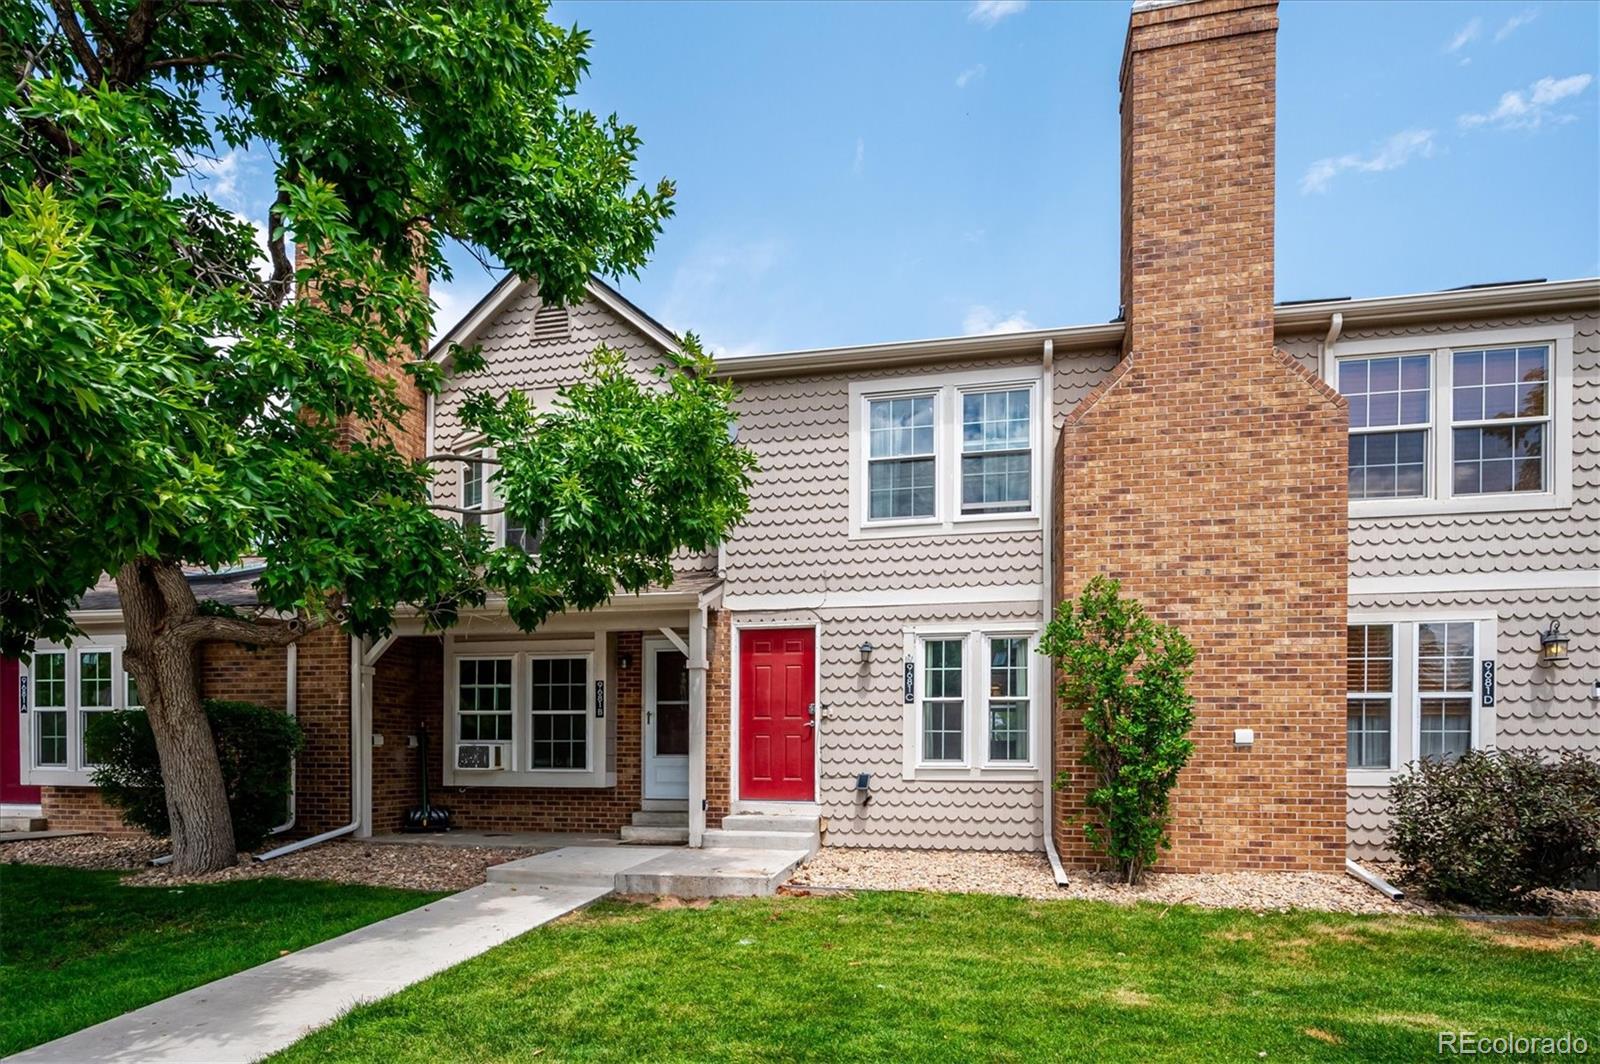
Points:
point(511, 286)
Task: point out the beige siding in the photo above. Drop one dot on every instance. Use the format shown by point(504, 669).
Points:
point(1537, 707)
point(515, 361)
point(1488, 543)
point(797, 537)
point(862, 731)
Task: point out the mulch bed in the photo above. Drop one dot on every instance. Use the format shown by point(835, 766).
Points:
point(411, 867)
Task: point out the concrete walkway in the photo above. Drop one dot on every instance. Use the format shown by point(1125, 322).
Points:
point(261, 1010)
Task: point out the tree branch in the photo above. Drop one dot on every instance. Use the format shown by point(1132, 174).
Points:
point(282, 268)
point(191, 61)
point(175, 591)
point(475, 459)
point(102, 25)
point(460, 510)
point(207, 628)
point(93, 72)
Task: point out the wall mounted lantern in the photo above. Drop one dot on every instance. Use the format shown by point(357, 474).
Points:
point(1553, 645)
point(866, 650)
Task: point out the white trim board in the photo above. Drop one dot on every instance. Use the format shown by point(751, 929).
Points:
point(1452, 583)
point(922, 597)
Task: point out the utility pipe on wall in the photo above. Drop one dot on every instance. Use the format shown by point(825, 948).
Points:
point(356, 699)
point(698, 664)
point(291, 698)
point(1047, 526)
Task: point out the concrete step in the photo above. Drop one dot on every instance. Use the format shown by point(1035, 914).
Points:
point(575, 866)
point(649, 818)
point(769, 822)
point(655, 836)
point(806, 842)
point(23, 823)
point(712, 873)
point(664, 805)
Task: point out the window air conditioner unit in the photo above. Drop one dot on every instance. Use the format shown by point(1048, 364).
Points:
point(481, 756)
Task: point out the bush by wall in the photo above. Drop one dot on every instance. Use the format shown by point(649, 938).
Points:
point(1490, 828)
point(1125, 673)
point(255, 744)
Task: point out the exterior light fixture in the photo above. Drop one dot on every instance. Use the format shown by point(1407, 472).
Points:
point(1553, 645)
point(866, 650)
point(624, 660)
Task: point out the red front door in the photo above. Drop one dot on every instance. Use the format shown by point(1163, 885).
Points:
point(12, 737)
point(777, 696)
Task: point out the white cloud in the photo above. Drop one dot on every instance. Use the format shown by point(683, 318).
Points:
point(969, 75)
point(860, 160)
point(718, 288)
point(1392, 154)
point(450, 304)
point(263, 258)
point(989, 12)
point(981, 321)
point(1532, 107)
point(1465, 35)
point(219, 177)
point(1514, 23)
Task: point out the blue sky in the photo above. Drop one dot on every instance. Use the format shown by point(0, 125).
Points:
point(859, 173)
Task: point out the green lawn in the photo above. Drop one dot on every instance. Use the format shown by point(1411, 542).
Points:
point(77, 947)
point(916, 977)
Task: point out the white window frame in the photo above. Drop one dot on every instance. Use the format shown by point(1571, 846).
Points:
point(1369, 696)
point(489, 498)
point(975, 763)
point(1406, 734)
point(1440, 498)
point(77, 771)
point(519, 770)
point(587, 707)
point(947, 390)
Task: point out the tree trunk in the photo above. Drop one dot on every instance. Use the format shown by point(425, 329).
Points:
point(163, 663)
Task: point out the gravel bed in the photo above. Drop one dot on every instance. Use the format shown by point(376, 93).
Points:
point(1028, 875)
point(413, 867)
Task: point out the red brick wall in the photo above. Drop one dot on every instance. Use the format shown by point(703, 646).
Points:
point(719, 719)
point(1209, 473)
point(233, 671)
point(409, 692)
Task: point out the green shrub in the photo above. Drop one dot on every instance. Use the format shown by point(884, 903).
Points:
point(255, 744)
point(1125, 674)
point(1488, 829)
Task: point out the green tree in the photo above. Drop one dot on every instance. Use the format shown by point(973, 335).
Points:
point(1125, 674)
point(166, 402)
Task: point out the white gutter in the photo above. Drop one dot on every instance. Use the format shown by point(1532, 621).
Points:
point(356, 700)
point(1523, 298)
point(1047, 569)
point(291, 700)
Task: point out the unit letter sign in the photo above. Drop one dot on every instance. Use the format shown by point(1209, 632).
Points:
point(599, 699)
point(1488, 683)
point(911, 681)
point(22, 694)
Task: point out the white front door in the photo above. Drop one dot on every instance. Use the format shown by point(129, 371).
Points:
point(666, 721)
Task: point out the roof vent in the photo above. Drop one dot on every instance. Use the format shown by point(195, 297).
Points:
point(552, 322)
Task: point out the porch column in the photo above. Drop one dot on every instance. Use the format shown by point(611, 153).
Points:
point(697, 727)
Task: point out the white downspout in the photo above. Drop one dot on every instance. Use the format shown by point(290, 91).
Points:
point(291, 698)
point(1047, 526)
point(697, 725)
point(356, 700)
point(1335, 329)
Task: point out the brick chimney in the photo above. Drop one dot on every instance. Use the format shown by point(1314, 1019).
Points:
point(410, 435)
point(1208, 474)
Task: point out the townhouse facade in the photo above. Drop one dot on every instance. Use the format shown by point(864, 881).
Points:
point(1366, 513)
